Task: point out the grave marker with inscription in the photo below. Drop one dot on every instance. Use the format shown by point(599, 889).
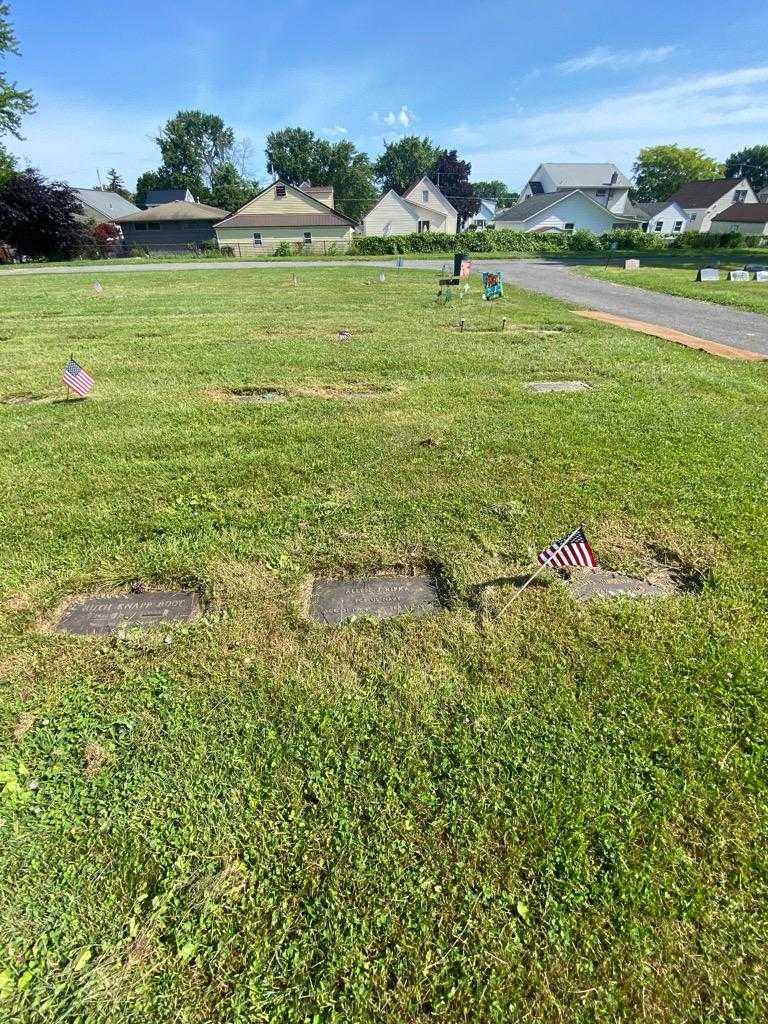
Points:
point(761, 276)
point(708, 274)
point(99, 616)
point(631, 264)
point(542, 386)
point(379, 597)
point(603, 583)
point(738, 275)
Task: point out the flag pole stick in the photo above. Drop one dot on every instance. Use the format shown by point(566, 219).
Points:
point(541, 569)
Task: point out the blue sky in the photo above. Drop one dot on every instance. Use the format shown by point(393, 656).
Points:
point(507, 84)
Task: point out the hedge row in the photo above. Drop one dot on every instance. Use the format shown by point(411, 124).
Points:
point(504, 240)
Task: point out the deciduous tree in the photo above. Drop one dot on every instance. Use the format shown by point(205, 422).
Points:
point(14, 102)
point(750, 163)
point(495, 190)
point(451, 176)
point(38, 218)
point(661, 170)
point(405, 161)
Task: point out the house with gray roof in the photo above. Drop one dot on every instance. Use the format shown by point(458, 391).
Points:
point(172, 227)
point(704, 200)
point(565, 210)
point(100, 207)
point(668, 218)
point(604, 183)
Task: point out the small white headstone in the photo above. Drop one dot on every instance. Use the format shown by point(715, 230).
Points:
point(738, 275)
point(97, 287)
point(382, 277)
point(631, 264)
point(708, 274)
point(761, 275)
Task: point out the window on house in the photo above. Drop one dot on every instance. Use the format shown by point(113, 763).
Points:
point(423, 226)
point(601, 192)
point(740, 195)
point(480, 224)
point(154, 225)
point(617, 226)
point(678, 226)
point(659, 225)
point(537, 189)
point(569, 227)
point(257, 238)
point(307, 238)
point(425, 196)
point(279, 191)
point(645, 226)
point(693, 216)
point(140, 227)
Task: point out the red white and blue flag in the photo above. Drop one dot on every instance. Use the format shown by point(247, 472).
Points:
point(77, 379)
point(573, 549)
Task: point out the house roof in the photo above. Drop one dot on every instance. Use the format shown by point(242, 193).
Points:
point(653, 209)
point(586, 175)
point(278, 220)
point(697, 195)
point(108, 204)
point(536, 204)
point(158, 196)
point(745, 213)
point(179, 210)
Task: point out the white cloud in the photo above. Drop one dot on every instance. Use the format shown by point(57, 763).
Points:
point(404, 117)
point(338, 130)
point(615, 60)
point(719, 111)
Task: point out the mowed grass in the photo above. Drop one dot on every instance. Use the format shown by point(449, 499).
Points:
point(557, 813)
point(750, 295)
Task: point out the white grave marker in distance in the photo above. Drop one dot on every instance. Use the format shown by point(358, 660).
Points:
point(631, 264)
point(762, 276)
point(98, 287)
point(738, 275)
point(708, 274)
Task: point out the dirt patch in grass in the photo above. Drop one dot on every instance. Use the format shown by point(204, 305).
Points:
point(28, 399)
point(507, 327)
point(95, 757)
point(273, 394)
point(24, 724)
point(663, 559)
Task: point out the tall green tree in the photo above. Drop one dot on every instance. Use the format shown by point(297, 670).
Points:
point(496, 190)
point(750, 163)
point(661, 170)
point(405, 161)
point(230, 190)
point(7, 164)
point(196, 147)
point(451, 176)
point(297, 155)
point(115, 183)
point(14, 102)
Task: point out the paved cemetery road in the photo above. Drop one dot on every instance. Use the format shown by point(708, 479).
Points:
point(708, 320)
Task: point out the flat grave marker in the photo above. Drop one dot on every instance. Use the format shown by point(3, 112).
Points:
point(587, 585)
point(258, 395)
point(542, 386)
point(708, 274)
point(378, 597)
point(99, 616)
point(738, 275)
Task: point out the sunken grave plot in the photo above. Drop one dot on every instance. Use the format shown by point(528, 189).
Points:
point(272, 395)
point(379, 597)
point(100, 615)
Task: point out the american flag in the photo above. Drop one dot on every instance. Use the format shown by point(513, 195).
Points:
point(573, 549)
point(77, 379)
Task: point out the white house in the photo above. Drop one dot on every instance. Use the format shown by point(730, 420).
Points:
point(568, 210)
point(604, 183)
point(747, 218)
point(703, 200)
point(663, 218)
point(762, 195)
point(422, 207)
point(484, 216)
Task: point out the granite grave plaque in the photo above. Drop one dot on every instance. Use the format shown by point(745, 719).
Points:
point(603, 583)
point(542, 386)
point(738, 275)
point(379, 597)
point(259, 395)
point(708, 274)
point(761, 276)
point(98, 616)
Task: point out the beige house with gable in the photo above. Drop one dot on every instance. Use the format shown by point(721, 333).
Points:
point(303, 217)
point(422, 207)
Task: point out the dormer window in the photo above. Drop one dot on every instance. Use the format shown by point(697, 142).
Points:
point(740, 196)
point(279, 191)
point(537, 189)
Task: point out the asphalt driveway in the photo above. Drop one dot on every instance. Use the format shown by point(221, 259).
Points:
point(708, 320)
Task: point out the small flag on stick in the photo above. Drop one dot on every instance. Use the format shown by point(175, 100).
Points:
point(573, 549)
point(76, 378)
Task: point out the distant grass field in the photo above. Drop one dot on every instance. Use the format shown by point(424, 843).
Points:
point(747, 295)
point(553, 814)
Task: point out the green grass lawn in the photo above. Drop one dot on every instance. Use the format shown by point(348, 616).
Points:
point(747, 295)
point(553, 814)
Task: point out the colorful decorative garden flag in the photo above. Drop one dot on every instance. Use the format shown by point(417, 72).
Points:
point(493, 287)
